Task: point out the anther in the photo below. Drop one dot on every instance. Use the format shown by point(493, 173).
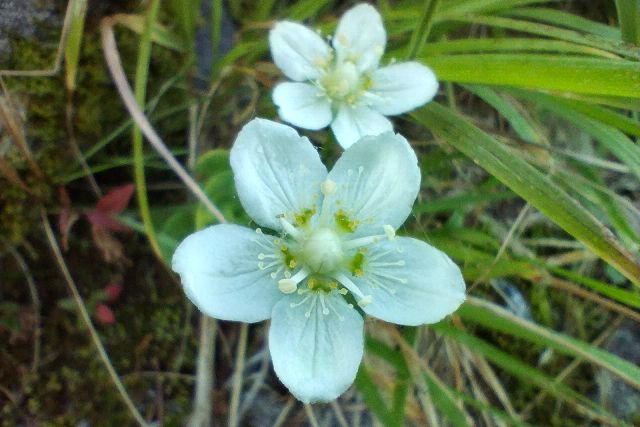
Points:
point(389, 231)
point(328, 187)
point(362, 298)
point(365, 301)
point(289, 284)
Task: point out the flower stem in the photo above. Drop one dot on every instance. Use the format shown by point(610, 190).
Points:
point(234, 406)
point(201, 416)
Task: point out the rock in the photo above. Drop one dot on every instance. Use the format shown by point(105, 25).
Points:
point(23, 19)
point(615, 395)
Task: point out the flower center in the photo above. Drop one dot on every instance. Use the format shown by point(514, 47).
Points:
point(341, 82)
point(322, 251)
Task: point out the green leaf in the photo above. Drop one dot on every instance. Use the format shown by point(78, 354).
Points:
point(509, 44)
point(370, 394)
point(613, 139)
point(497, 318)
point(529, 183)
point(519, 369)
point(554, 32)
point(74, 40)
point(452, 8)
point(597, 76)
point(621, 295)
point(510, 111)
point(444, 400)
point(459, 201)
point(629, 17)
point(566, 19)
point(214, 171)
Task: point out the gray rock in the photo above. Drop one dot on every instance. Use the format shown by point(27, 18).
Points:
point(23, 19)
point(614, 394)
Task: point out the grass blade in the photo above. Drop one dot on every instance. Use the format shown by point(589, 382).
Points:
point(597, 76)
point(530, 184)
point(498, 318)
point(629, 17)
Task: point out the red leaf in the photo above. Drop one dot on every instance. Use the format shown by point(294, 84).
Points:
point(104, 221)
point(116, 200)
point(113, 291)
point(104, 314)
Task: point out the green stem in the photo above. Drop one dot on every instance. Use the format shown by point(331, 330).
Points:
point(629, 17)
point(421, 34)
point(142, 73)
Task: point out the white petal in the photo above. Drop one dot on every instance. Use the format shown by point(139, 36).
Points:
point(360, 37)
point(402, 87)
point(352, 123)
point(412, 284)
point(298, 51)
point(303, 105)
point(219, 271)
point(316, 357)
point(377, 182)
point(276, 172)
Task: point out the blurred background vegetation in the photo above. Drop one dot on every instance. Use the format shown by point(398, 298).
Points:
point(531, 168)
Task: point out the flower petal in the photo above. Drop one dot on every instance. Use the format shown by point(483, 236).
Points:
point(219, 271)
point(360, 37)
point(298, 51)
point(302, 105)
point(377, 182)
point(352, 123)
point(276, 172)
point(411, 282)
point(316, 356)
point(402, 87)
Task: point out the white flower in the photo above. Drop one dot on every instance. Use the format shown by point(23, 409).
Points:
point(342, 85)
point(336, 247)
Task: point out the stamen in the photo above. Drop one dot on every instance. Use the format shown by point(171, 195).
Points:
point(361, 241)
point(313, 305)
point(290, 229)
point(399, 263)
point(362, 298)
point(289, 284)
point(365, 301)
point(390, 277)
point(264, 245)
point(390, 289)
point(327, 187)
point(263, 266)
point(302, 301)
point(332, 308)
point(389, 231)
point(377, 255)
point(325, 310)
point(274, 274)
